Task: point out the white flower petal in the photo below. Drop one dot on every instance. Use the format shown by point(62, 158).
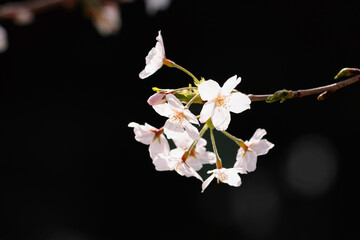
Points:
point(194, 163)
point(133, 124)
point(192, 131)
point(246, 162)
point(159, 145)
point(143, 133)
point(209, 90)
point(190, 172)
point(233, 178)
point(174, 102)
point(163, 109)
point(259, 133)
point(182, 140)
point(161, 162)
point(155, 58)
point(262, 147)
point(229, 85)
point(161, 42)
point(207, 111)
point(207, 182)
point(221, 119)
point(239, 102)
point(190, 117)
point(172, 129)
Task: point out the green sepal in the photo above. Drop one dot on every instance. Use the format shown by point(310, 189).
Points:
point(186, 95)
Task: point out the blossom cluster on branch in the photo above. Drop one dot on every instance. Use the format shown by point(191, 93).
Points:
point(190, 153)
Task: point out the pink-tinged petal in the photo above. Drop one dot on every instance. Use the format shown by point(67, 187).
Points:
point(207, 111)
point(207, 182)
point(182, 140)
point(221, 119)
point(262, 147)
point(172, 129)
point(143, 133)
point(155, 58)
point(190, 117)
point(192, 131)
point(209, 90)
point(163, 109)
point(194, 163)
point(239, 102)
point(230, 85)
point(259, 134)
point(159, 145)
point(174, 102)
point(155, 64)
point(157, 98)
point(161, 162)
point(161, 43)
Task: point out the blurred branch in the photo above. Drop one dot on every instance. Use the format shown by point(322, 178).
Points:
point(323, 91)
point(11, 10)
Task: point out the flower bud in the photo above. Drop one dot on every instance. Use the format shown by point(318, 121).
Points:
point(157, 98)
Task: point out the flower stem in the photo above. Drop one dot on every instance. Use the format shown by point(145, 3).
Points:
point(193, 145)
point(191, 101)
point(218, 160)
point(238, 141)
point(170, 63)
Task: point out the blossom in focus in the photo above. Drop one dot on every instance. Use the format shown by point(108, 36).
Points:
point(246, 157)
point(221, 101)
point(180, 119)
point(155, 58)
point(225, 175)
point(197, 156)
point(175, 162)
point(151, 136)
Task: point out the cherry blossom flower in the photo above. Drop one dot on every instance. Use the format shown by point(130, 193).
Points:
point(174, 161)
point(149, 135)
point(106, 18)
point(153, 6)
point(197, 156)
point(246, 157)
point(155, 58)
point(221, 101)
point(225, 175)
point(180, 119)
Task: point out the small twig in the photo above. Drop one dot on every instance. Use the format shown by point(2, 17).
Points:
point(9, 10)
point(323, 91)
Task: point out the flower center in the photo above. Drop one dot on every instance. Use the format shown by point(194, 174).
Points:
point(222, 101)
point(223, 176)
point(158, 133)
point(177, 117)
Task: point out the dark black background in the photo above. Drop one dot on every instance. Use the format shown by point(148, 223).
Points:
point(70, 167)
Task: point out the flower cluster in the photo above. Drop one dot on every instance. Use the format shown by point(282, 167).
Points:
point(190, 153)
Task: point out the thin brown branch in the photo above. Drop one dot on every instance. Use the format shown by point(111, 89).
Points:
point(323, 91)
point(9, 10)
